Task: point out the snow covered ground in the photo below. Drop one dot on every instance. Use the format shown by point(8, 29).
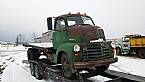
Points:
point(15, 70)
point(130, 65)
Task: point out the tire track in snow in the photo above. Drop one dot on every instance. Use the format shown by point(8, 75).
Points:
point(7, 61)
point(20, 63)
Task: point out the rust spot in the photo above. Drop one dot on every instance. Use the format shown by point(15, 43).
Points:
point(86, 32)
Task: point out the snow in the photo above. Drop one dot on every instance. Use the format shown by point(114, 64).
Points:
point(130, 65)
point(7, 48)
point(45, 45)
point(7, 51)
point(15, 70)
point(99, 40)
point(99, 78)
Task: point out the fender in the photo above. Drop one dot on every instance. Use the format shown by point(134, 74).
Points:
point(66, 48)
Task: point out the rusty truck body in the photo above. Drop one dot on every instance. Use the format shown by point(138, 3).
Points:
point(76, 44)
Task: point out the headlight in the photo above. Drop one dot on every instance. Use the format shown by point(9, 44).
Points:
point(77, 48)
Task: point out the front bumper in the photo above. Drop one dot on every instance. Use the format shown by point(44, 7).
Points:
point(100, 62)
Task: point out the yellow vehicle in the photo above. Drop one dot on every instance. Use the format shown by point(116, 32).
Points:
point(137, 41)
point(131, 44)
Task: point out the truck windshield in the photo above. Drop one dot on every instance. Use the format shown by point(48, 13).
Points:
point(79, 20)
point(125, 39)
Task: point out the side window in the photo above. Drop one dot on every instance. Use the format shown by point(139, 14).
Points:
point(60, 25)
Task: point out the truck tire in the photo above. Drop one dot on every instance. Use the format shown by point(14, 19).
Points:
point(66, 67)
point(32, 68)
point(141, 53)
point(33, 54)
point(29, 54)
point(118, 51)
point(37, 72)
point(102, 68)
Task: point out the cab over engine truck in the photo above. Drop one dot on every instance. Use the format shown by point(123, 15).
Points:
point(131, 44)
point(77, 44)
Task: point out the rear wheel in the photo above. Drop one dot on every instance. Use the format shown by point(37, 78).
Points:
point(29, 54)
point(32, 69)
point(33, 54)
point(66, 67)
point(141, 53)
point(37, 72)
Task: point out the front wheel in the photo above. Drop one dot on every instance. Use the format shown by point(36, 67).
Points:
point(67, 68)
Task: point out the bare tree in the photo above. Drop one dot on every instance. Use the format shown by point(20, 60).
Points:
point(34, 35)
point(20, 39)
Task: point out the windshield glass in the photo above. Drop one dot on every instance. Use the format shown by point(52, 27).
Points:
point(79, 20)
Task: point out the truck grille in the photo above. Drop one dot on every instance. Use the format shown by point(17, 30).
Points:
point(94, 51)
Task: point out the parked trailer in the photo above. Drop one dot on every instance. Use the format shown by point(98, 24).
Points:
point(50, 71)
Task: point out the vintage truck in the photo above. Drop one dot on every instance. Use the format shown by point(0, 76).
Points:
point(77, 44)
point(131, 44)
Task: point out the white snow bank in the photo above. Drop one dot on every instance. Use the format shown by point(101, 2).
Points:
point(129, 65)
point(7, 53)
point(16, 71)
point(7, 48)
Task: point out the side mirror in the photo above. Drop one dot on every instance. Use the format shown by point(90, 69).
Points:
point(49, 23)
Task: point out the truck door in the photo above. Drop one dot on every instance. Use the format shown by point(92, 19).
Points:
point(60, 34)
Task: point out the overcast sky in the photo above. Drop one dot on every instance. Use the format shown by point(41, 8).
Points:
point(116, 17)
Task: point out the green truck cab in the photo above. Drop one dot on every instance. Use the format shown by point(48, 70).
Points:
point(78, 44)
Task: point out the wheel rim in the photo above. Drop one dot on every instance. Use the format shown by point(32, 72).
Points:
point(66, 67)
point(141, 54)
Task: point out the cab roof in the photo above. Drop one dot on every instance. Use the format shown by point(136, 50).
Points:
point(69, 15)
